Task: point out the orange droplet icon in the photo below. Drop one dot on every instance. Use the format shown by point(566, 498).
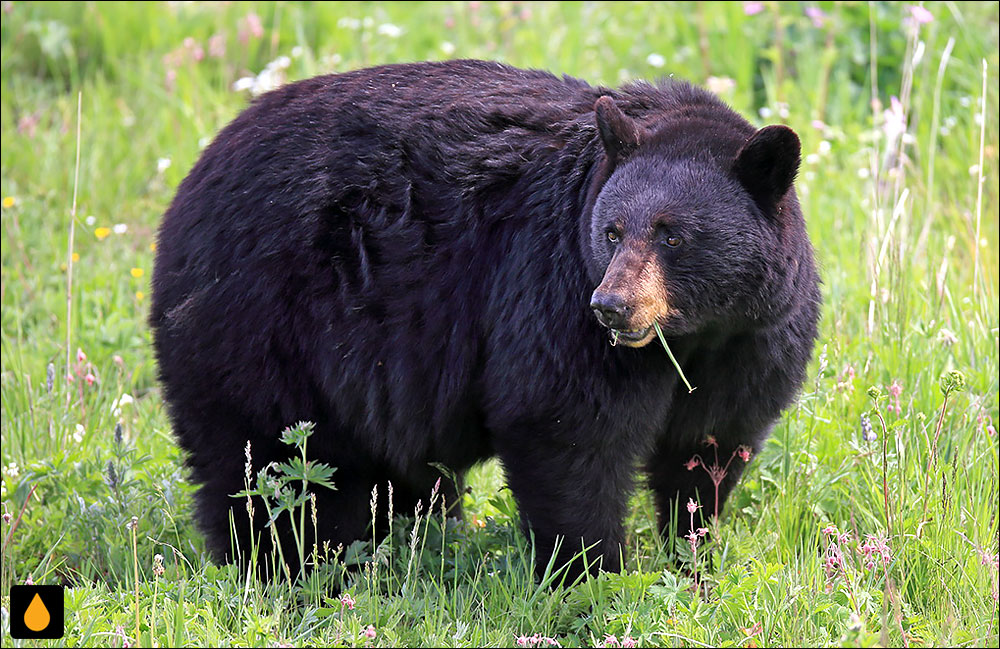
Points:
point(37, 616)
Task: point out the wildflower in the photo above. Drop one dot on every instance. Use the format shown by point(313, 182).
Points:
point(920, 15)
point(875, 548)
point(894, 124)
point(217, 46)
point(369, 632)
point(162, 164)
point(9, 202)
point(111, 475)
point(711, 441)
point(136, 272)
point(90, 220)
point(119, 403)
point(12, 470)
point(692, 506)
point(250, 27)
point(867, 432)
point(895, 389)
point(720, 85)
point(119, 228)
point(656, 60)
point(753, 8)
point(347, 600)
point(139, 295)
point(80, 356)
point(158, 569)
point(78, 433)
point(946, 337)
point(29, 581)
point(743, 452)
point(476, 522)
point(448, 48)
point(90, 378)
point(831, 530)
point(120, 634)
point(7, 517)
point(132, 524)
point(692, 463)
point(817, 16)
point(50, 377)
point(390, 30)
point(102, 233)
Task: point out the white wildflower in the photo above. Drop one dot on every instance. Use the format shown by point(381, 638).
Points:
point(119, 403)
point(656, 60)
point(390, 30)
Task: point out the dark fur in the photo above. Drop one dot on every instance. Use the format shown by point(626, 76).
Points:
point(406, 256)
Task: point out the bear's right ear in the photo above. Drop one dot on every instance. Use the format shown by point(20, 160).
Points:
point(619, 132)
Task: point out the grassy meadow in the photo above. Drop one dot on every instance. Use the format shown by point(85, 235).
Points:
point(870, 518)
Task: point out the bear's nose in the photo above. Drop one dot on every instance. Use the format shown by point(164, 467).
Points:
point(610, 309)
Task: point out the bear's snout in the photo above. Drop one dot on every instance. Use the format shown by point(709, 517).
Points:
point(610, 309)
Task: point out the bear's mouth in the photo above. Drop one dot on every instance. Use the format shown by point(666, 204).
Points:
point(628, 337)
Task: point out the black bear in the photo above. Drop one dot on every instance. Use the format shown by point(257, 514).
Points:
point(438, 263)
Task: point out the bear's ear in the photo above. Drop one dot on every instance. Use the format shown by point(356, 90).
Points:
point(767, 164)
point(619, 132)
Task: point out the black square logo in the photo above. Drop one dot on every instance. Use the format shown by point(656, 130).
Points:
point(37, 612)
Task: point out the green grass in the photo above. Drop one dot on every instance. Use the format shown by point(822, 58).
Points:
point(908, 254)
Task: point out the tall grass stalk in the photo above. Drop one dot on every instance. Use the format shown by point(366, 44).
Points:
point(69, 249)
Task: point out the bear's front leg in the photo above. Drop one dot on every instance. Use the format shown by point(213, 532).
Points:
point(575, 492)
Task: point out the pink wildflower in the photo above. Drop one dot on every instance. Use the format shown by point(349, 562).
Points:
point(744, 453)
point(347, 600)
point(816, 15)
point(692, 506)
point(920, 15)
point(711, 441)
point(90, 378)
point(692, 463)
point(80, 356)
point(369, 632)
point(873, 548)
point(753, 8)
point(831, 530)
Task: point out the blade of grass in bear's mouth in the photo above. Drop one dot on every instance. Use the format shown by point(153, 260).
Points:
point(673, 360)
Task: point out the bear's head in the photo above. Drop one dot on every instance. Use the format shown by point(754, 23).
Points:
point(692, 224)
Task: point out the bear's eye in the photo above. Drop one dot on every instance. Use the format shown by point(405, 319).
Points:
point(672, 241)
point(613, 236)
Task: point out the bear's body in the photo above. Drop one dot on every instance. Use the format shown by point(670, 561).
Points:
point(407, 256)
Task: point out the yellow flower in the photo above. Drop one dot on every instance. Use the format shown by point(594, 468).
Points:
point(152, 247)
point(76, 257)
point(102, 233)
point(9, 202)
point(139, 295)
point(136, 272)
